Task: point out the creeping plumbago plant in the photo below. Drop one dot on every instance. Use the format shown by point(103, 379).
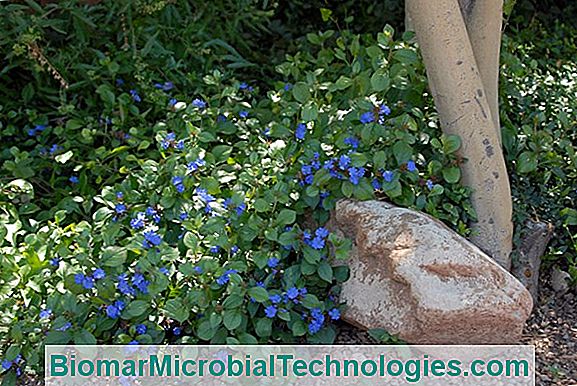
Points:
point(219, 233)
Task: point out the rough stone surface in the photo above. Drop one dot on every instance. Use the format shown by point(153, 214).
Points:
point(416, 278)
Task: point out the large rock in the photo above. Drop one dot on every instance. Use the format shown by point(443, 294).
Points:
point(419, 280)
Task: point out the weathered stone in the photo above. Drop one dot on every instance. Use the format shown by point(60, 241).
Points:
point(416, 278)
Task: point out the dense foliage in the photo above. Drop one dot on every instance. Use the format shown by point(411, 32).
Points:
point(539, 95)
point(156, 189)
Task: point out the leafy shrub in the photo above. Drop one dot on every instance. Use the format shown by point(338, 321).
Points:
point(210, 224)
point(539, 99)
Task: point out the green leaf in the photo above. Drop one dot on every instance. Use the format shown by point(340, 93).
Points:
point(263, 327)
point(402, 152)
point(287, 216)
point(134, 309)
point(176, 310)
point(84, 337)
point(259, 294)
point(451, 143)
point(325, 271)
point(527, 162)
point(233, 301)
point(232, 319)
point(113, 256)
point(343, 83)
point(301, 92)
point(310, 112)
point(380, 80)
point(452, 175)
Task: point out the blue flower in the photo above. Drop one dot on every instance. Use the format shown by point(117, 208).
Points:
point(376, 184)
point(177, 180)
point(55, 262)
point(99, 274)
point(167, 86)
point(88, 282)
point(172, 102)
point(139, 221)
point(119, 81)
point(199, 103)
point(37, 129)
point(164, 271)
point(430, 184)
point(135, 96)
point(243, 114)
point(334, 314)
point(180, 145)
point(141, 329)
point(74, 179)
point(150, 211)
point(275, 299)
point(315, 326)
point(120, 208)
point(204, 196)
point(151, 238)
point(317, 243)
point(355, 175)
point(198, 270)
point(292, 293)
point(215, 249)
point(119, 195)
point(112, 311)
point(411, 166)
point(266, 132)
point(55, 148)
point(388, 176)
point(124, 287)
point(270, 311)
point(367, 117)
point(6, 364)
point(322, 232)
point(234, 249)
point(78, 278)
point(195, 165)
point(384, 110)
point(139, 282)
point(240, 208)
point(300, 131)
point(272, 262)
point(307, 170)
point(352, 141)
point(64, 327)
point(177, 331)
point(243, 86)
point(45, 314)
point(344, 162)
point(287, 86)
point(260, 284)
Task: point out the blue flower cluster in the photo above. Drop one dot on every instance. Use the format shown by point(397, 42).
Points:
point(166, 86)
point(319, 239)
point(317, 320)
point(36, 130)
point(113, 310)
point(151, 239)
point(301, 131)
point(88, 281)
point(225, 277)
point(170, 142)
point(178, 183)
point(308, 170)
point(199, 103)
point(195, 165)
point(378, 114)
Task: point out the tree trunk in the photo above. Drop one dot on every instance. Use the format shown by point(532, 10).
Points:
point(484, 21)
point(464, 109)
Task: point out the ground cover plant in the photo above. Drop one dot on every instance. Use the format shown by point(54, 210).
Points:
point(167, 181)
point(189, 205)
